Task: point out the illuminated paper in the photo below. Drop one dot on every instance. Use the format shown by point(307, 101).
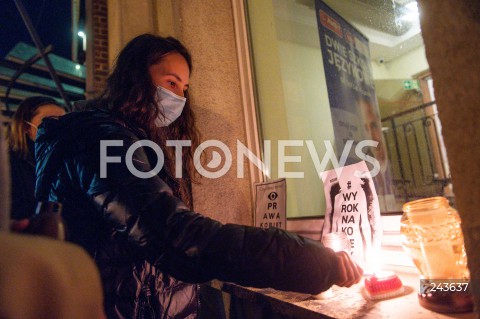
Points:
point(352, 207)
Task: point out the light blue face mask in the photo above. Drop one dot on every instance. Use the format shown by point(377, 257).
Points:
point(170, 106)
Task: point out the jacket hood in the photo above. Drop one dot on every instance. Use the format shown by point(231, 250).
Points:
point(74, 131)
point(56, 138)
point(52, 138)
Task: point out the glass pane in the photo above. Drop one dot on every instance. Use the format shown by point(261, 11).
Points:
point(295, 109)
point(288, 71)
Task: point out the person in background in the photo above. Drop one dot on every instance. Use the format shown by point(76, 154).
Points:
point(150, 245)
point(21, 141)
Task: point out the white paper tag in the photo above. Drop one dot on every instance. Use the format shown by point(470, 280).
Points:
point(271, 204)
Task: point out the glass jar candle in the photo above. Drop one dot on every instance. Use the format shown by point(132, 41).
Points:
point(432, 237)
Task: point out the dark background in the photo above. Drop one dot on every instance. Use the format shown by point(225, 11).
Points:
point(51, 18)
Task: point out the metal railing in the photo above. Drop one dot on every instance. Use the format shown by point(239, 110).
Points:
point(416, 152)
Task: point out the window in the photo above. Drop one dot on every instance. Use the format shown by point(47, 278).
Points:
point(294, 105)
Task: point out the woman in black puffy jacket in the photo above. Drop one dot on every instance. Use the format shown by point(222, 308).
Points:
point(150, 246)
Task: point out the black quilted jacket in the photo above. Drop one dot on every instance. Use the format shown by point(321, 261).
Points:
point(142, 236)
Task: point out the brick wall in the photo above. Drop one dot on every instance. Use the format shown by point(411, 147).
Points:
point(97, 53)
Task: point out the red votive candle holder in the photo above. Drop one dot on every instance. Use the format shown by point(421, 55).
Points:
point(383, 285)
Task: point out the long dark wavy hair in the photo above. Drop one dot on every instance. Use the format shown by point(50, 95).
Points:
point(131, 92)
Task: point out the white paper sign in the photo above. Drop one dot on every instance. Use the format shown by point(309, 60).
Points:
point(271, 204)
point(352, 207)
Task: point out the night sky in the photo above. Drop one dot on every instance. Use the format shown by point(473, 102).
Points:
point(51, 18)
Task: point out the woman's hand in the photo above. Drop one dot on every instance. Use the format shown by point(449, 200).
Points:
point(349, 272)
